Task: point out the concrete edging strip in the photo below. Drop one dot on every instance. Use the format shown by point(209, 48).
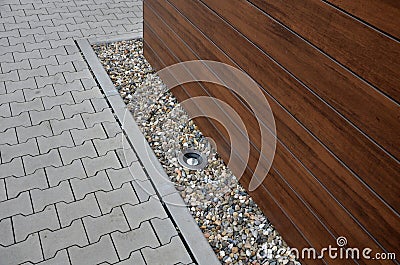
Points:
point(192, 234)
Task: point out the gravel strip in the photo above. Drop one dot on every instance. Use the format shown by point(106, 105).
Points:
point(234, 225)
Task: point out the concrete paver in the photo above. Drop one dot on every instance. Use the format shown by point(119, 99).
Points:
point(72, 188)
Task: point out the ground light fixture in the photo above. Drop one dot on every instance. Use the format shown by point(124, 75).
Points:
point(192, 159)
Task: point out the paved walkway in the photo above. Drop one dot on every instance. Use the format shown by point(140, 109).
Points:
point(72, 188)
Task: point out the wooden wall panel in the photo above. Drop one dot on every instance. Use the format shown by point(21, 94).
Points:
point(382, 14)
point(358, 102)
point(365, 51)
point(340, 137)
point(335, 171)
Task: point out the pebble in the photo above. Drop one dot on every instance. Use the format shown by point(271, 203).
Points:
point(230, 220)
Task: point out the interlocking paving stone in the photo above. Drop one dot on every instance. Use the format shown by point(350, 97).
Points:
point(95, 132)
point(71, 34)
point(71, 76)
point(28, 250)
point(59, 126)
point(114, 221)
point(57, 174)
point(69, 154)
point(43, 61)
point(102, 251)
point(47, 37)
point(8, 56)
point(83, 107)
point(123, 175)
point(13, 168)
point(62, 59)
point(95, 31)
point(20, 120)
point(15, 49)
point(126, 156)
point(32, 163)
point(81, 187)
point(25, 74)
point(61, 258)
point(42, 198)
point(137, 171)
point(54, 113)
point(29, 18)
point(64, 177)
point(19, 107)
point(92, 165)
point(6, 232)
point(88, 83)
point(2, 85)
point(135, 258)
point(26, 225)
point(83, 25)
point(7, 19)
point(71, 49)
point(126, 243)
point(5, 110)
point(50, 102)
point(85, 20)
point(47, 91)
point(46, 143)
point(51, 29)
point(36, 46)
point(53, 52)
point(99, 104)
point(18, 85)
point(164, 229)
point(9, 33)
point(50, 80)
point(59, 43)
point(74, 86)
point(42, 129)
point(20, 205)
point(8, 152)
point(78, 209)
point(171, 253)
point(144, 189)
point(3, 193)
point(111, 128)
point(16, 185)
point(114, 198)
point(61, 68)
point(27, 39)
point(105, 145)
point(144, 211)
point(52, 241)
point(80, 96)
point(7, 67)
point(67, 21)
point(18, 56)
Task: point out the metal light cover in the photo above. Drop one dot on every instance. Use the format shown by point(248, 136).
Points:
point(192, 159)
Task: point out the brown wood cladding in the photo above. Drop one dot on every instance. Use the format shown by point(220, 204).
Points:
point(333, 85)
point(371, 11)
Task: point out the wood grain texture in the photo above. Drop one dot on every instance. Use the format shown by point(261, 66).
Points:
point(382, 14)
point(368, 53)
point(361, 104)
point(340, 137)
point(309, 190)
